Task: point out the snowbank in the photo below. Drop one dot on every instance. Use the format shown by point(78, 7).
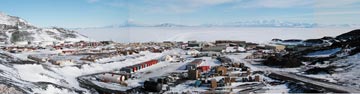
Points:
point(350, 75)
point(324, 53)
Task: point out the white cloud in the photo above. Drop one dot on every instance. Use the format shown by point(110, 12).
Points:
point(298, 3)
point(274, 3)
point(178, 6)
point(185, 6)
point(181, 6)
point(206, 2)
point(339, 13)
point(335, 3)
point(328, 13)
point(93, 1)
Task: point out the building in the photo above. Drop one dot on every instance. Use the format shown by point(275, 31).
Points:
point(167, 44)
point(250, 46)
point(227, 80)
point(193, 74)
point(217, 48)
point(210, 54)
point(90, 58)
point(194, 45)
point(224, 59)
point(248, 72)
point(127, 70)
point(257, 78)
point(231, 42)
point(234, 49)
point(213, 83)
point(40, 57)
point(69, 52)
point(137, 67)
point(154, 50)
point(214, 48)
point(242, 65)
point(193, 52)
point(221, 70)
point(172, 58)
point(19, 49)
point(204, 68)
point(275, 47)
point(194, 64)
point(61, 60)
point(107, 42)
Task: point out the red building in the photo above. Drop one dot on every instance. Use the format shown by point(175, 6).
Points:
point(69, 51)
point(137, 67)
point(204, 68)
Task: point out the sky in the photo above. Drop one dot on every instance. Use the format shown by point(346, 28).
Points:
point(98, 13)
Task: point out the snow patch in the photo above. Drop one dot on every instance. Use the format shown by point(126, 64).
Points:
point(324, 53)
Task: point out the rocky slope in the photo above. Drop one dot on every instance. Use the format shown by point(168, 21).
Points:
point(14, 29)
point(342, 63)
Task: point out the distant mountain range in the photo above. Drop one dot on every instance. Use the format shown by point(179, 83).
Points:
point(252, 23)
point(271, 23)
point(169, 25)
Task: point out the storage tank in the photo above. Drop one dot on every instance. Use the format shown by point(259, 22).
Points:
point(115, 78)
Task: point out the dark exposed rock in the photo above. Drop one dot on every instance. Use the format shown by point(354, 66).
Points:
point(352, 35)
point(283, 61)
point(21, 36)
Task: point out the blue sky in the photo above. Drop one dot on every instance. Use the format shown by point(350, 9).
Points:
point(95, 13)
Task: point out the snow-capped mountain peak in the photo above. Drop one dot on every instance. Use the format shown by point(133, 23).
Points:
point(14, 29)
point(271, 23)
point(11, 20)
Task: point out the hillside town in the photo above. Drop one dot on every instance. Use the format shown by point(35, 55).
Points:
point(221, 66)
point(179, 46)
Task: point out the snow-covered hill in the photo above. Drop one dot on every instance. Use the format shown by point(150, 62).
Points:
point(340, 61)
point(11, 20)
point(14, 29)
point(49, 79)
point(348, 75)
